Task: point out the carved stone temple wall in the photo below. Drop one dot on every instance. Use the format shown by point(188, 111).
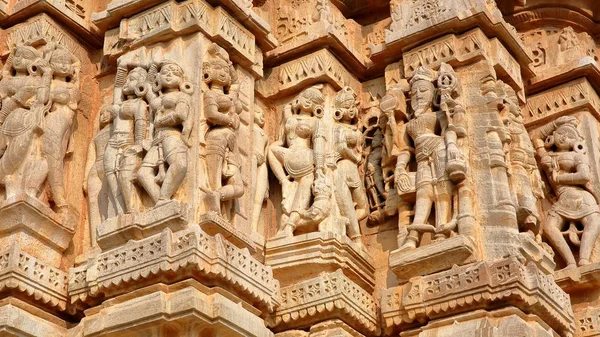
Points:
point(299, 168)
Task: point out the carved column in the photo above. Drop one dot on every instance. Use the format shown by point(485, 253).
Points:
point(497, 203)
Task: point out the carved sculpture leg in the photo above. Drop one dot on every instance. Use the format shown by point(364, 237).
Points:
point(146, 175)
point(55, 140)
point(554, 223)
point(443, 206)
point(34, 170)
point(591, 228)
point(423, 205)
point(262, 186)
point(110, 168)
point(214, 171)
point(14, 156)
point(301, 202)
point(127, 168)
point(175, 152)
point(97, 198)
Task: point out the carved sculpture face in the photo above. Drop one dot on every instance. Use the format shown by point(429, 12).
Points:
point(259, 117)
point(308, 102)
point(217, 70)
point(347, 109)
point(105, 116)
point(134, 78)
point(565, 138)
point(62, 63)
point(170, 76)
point(23, 57)
point(421, 93)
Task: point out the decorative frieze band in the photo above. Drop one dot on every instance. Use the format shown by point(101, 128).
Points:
point(477, 286)
point(331, 295)
point(180, 255)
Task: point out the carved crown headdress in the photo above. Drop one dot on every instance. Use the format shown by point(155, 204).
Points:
point(423, 74)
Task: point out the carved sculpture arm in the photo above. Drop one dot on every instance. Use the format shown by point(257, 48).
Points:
point(141, 118)
point(89, 163)
point(580, 177)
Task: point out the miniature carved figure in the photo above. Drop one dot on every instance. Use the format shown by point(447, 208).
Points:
point(221, 111)
point(439, 161)
point(349, 188)
point(25, 93)
point(561, 154)
point(165, 164)
point(295, 155)
point(129, 130)
point(524, 176)
point(261, 180)
point(93, 182)
point(58, 126)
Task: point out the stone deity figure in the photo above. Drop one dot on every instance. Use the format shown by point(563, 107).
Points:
point(433, 151)
point(93, 180)
point(129, 130)
point(58, 126)
point(349, 188)
point(221, 111)
point(165, 164)
point(561, 156)
point(25, 94)
point(295, 155)
point(524, 178)
point(261, 180)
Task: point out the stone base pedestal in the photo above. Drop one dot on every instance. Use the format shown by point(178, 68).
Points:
point(583, 286)
point(169, 257)
point(330, 296)
point(505, 283)
point(183, 309)
point(135, 226)
point(306, 256)
point(213, 223)
point(36, 228)
point(18, 318)
point(432, 258)
point(498, 323)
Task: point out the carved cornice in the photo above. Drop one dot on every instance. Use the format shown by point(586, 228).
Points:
point(551, 104)
point(293, 76)
point(331, 295)
point(167, 257)
point(174, 18)
point(42, 283)
point(478, 286)
point(241, 10)
point(416, 22)
point(72, 13)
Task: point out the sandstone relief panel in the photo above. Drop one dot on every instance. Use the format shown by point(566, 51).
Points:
point(299, 168)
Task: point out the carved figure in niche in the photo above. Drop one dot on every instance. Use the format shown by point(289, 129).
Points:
point(261, 180)
point(567, 39)
point(93, 180)
point(350, 191)
point(25, 94)
point(439, 161)
point(295, 155)
point(128, 133)
point(221, 111)
point(561, 154)
point(165, 164)
point(58, 126)
point(524, 175)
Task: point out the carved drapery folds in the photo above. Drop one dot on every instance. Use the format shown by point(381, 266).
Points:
point(562, 156)
point(40, 94)
point(145, 158)
point(221, 112)
point(414, 158)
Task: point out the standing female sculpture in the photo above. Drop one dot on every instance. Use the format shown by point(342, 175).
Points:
point(25, 93)
point(568, 171)
point(168, 154)
point(295, 154)
point(58, 128)
point(128, 132)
